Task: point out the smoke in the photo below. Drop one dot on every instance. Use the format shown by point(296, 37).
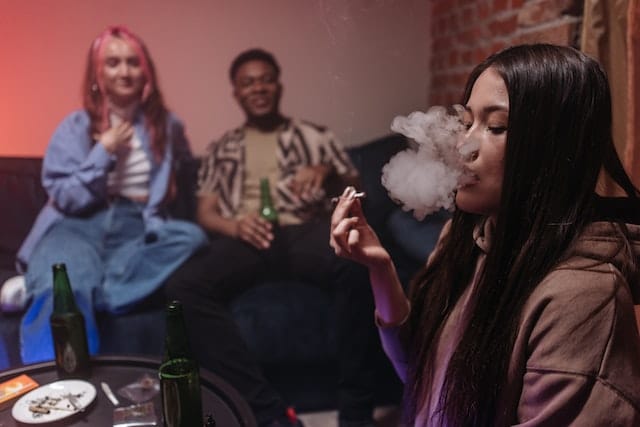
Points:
point(424, 177)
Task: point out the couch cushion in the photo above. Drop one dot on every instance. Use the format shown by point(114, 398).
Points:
point(185, 203)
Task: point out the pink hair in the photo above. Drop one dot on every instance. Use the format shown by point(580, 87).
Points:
point(97, 57)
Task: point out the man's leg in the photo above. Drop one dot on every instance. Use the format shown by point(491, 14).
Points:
point(358, 342)
point(206, 284)
point(312, 259)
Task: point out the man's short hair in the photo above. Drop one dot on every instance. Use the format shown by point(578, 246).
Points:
point(255, 54)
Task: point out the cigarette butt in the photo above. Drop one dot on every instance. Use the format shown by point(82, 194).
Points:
point(109, 393)
point(39, 409)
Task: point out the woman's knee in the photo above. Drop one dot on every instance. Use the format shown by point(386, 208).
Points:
point(185, 232)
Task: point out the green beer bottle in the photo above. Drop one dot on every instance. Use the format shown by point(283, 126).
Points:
point(267, 210)
point(176, 343)
point(179, 374)
point(68, 329)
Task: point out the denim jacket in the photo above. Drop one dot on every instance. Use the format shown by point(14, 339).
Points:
point(75, 169)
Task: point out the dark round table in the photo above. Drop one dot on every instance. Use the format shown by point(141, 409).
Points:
point(221, 400)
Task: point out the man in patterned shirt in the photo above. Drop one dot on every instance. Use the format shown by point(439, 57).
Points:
point(300, 160)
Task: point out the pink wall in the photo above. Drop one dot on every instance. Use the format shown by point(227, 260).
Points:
point(349, 64)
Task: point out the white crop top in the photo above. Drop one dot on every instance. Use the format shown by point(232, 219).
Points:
point(131, 175)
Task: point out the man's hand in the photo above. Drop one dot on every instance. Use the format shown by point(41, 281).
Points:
point(308, 181)
point(254, 230)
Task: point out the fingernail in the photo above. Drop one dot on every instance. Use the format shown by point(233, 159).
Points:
point(348, 191)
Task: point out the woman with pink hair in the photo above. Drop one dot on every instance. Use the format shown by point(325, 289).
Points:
point(108, 174)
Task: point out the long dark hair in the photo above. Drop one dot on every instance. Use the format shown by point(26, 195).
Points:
point(94, 100)
point(558, 141)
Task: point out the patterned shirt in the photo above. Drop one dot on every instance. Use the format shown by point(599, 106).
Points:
point(300, 144)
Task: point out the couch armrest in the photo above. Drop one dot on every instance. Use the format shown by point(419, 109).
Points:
point(416, 238)
point(22, 197)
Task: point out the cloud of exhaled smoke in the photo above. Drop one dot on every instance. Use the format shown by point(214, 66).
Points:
point(423, 177)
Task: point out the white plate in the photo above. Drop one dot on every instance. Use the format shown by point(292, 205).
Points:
point(56, 398)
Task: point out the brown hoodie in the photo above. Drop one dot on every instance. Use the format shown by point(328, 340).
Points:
point(576, 358)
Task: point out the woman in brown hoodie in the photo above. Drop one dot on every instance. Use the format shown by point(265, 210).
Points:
point(524, 313)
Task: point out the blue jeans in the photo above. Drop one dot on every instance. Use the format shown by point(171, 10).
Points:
point(110, 267)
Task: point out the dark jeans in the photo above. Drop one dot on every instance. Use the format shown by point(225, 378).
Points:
point(211, 279)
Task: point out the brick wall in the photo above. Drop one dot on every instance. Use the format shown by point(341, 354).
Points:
point(467, 31)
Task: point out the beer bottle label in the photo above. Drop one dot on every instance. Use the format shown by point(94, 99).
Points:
point(69, 359)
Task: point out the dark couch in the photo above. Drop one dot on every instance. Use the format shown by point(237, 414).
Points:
point(290, 326)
